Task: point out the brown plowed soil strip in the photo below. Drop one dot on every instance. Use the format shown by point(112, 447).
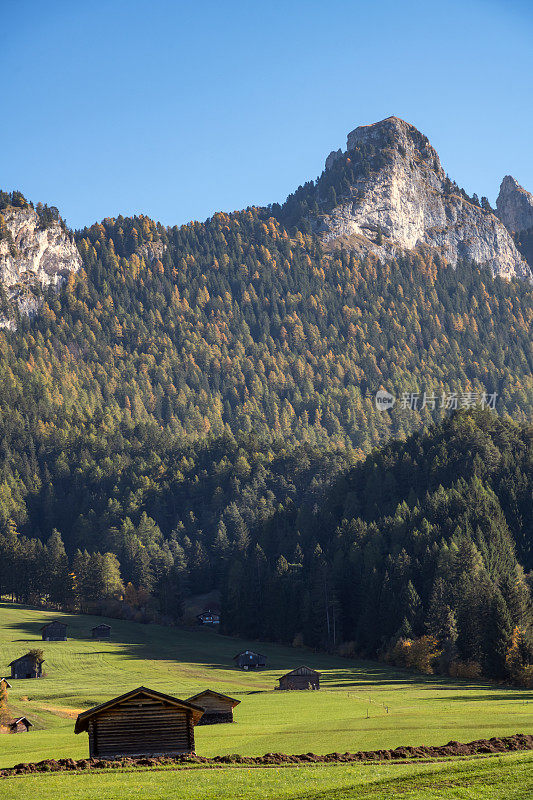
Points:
point(508, 744)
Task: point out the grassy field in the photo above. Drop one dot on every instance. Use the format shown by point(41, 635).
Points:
point(507, 777)
point(362, 705)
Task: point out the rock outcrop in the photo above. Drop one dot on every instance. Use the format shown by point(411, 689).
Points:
point(33, 256)
point(151, 251)
point(333, 157)
point(401, 199)
point(515, 205)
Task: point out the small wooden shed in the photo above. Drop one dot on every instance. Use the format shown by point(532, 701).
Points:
point(54, 631)
point(217, 707)
point(102, 631)
point(28, 666)
point(250, 660)
point(6, 683)
point(142, 722)
point(300, 678)
point(208, 617)
point(20, 725)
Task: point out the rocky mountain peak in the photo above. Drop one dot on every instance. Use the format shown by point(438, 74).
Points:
point(392, 194)
point(36, 251)
point(399, 137)
point(514, 205)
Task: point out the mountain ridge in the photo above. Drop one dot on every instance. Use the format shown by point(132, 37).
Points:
point(386, 195)
point(395, 196)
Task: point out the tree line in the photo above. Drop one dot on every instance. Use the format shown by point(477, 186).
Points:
point(412, 556)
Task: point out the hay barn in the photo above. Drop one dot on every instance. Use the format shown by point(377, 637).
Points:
point(142, 722)
point(217, 707)
point(300, 678)
point(28, 666)
point(208, 617)
point(101, 631)
point(54, 631)
point(250, 660)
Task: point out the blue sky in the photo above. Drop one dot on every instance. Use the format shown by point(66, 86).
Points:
point(180, 109)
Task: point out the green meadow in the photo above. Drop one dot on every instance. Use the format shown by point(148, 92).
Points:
point(498, 778)
point(361, 706)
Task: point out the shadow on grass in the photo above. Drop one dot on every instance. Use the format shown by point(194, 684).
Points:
point(205, 647)
point(369, 675)
point(211, 650)
point(514, 695)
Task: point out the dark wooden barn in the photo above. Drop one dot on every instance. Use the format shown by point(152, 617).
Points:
point(54, 631)
point(28, 666)
point(101, 631)
point(217, 707)
point(250, 660)
point(208, 617)
point(142, 722)
point(20, 725)
point(300, 678)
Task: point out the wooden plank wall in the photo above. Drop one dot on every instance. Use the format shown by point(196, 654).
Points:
point(142, 726)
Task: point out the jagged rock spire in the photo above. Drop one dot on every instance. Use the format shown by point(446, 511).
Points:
point(514, 205)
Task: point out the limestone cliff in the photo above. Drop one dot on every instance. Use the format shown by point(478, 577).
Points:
point(514, 205)
point(34, 254)
point(399, 198)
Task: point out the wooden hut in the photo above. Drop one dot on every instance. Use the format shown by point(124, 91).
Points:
point(101, 631)
point(6, 683)
point(217, 707)
point(142, 722)
point(250, 660)
point(208, 617)
point(54, 631)
point(28, 666)
point(20, 725)
point(300, 678)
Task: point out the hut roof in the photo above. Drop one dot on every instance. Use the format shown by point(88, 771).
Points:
point(22, 719)
point(248, 652)
point(214, 694)
point(102, 625)
point(5, 680)
point(27, 655)
point(303, 670)
point(53, 622)
point(82, 722)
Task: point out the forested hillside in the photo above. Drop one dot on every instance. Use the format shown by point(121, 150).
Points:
point(413, 555)
point(188, 383)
